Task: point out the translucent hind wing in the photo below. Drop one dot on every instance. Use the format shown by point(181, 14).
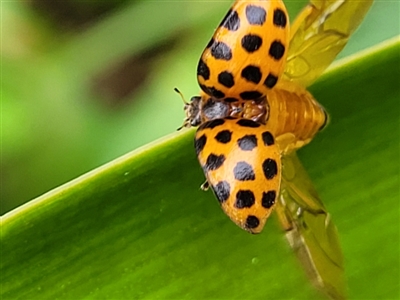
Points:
point(309, 229)
point(318, 34)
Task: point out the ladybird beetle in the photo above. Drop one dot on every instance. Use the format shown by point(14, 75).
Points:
point(289, 111)
point(249, 75)
point(242, 164)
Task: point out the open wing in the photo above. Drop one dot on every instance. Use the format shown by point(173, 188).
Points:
point(309, 229)
point(318, 34)
point(242, 164)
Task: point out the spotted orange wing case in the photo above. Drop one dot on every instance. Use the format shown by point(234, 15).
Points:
point(247, 53)
point(242, 165)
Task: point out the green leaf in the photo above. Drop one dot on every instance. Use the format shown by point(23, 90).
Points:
point(140, 227)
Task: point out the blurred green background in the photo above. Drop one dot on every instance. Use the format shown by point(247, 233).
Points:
point(85, 82)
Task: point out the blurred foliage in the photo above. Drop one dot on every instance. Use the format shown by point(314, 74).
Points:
point(84, 82)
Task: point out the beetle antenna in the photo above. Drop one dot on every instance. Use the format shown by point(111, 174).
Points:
point(180, 93)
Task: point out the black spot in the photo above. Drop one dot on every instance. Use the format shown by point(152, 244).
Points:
point(221, 50)
point(243, 172)
point(252, 222)
point(231, 21)
point(276, 50)
point(216, 93)
point(212, 91)
point(252, 73)
point(231, 100)
point(226, 79)
point(204, 88)
point(270, 168)
point(250, 95)
point(279, 18)
point(214, 162)
point(222, 191)
point(255, 14)
point(203, 70)
point(210, 43)
point(248, 123)
point(215, 109)
point(211, 124)
point(244, 199)
point(251, 42)
point(268, 199)
point(267, 138)
point(248, 142)
point(200, 143)
point(270, 81)
point(224, 136)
